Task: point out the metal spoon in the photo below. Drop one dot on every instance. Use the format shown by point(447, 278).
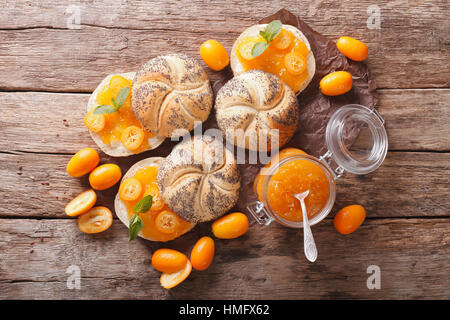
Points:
point(308, 239)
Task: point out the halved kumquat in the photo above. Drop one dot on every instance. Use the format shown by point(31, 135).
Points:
point(168, 260)
point(170, 280)
point(81, 203)
point(132, 137)
point(130, 189)
point(96, 220)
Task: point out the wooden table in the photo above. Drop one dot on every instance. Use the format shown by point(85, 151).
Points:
point(48, 68)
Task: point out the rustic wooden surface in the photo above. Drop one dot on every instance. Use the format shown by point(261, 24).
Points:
point(47, 72)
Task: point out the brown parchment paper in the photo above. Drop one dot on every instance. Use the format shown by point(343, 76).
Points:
point(315, 108)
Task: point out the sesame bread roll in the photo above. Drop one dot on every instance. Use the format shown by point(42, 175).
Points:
point(256, 109)
point(115, 148)
point(171, 92)
point(199, 180)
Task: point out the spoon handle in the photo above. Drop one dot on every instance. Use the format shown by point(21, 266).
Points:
point(308, 238)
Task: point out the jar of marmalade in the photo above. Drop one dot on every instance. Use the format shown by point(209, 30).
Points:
point(293, 171)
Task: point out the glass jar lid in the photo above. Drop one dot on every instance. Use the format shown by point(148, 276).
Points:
point(370, 147)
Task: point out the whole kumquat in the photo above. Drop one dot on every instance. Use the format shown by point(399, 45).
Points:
point(81, 203)
point(353, 49)
point(168, 260)
point(336, 83)
point(105, 176)
point(202, 254)
point(348, 219)
point(83, 162)
point(214, 54)
point(231, 226)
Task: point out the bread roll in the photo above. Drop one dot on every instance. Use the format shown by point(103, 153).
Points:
point(256, 108)
point(199, 180)
point(120, 207)
point(115, 147)
point(171, 92)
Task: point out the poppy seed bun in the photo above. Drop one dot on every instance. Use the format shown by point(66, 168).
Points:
point(119, 205)
point(171, 92)
point(253, 31)
point(199, 180)
point(115, 148)
point(256, 108)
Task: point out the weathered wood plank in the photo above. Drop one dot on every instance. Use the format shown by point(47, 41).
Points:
point(42, 54)
point(54, 122)
point(408, 184)
point(415, 120)
point(263, 264)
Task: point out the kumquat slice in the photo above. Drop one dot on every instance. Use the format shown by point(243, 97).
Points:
point(81, 203)
point(132, 137)
point(96, 220)
point(130, 189)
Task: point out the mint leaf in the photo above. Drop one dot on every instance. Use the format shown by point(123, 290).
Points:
point(136, 225)
point(259, 48)
point(114, 103)
point(265, 36)
point(144, 204)
point(122, 97)
point(105, 108)
point(273, 29)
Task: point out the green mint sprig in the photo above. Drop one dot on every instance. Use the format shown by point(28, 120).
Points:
point(271, 31)
point(117, 103)
point(136, 223)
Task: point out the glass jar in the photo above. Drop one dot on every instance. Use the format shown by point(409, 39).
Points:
point(366, 155)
